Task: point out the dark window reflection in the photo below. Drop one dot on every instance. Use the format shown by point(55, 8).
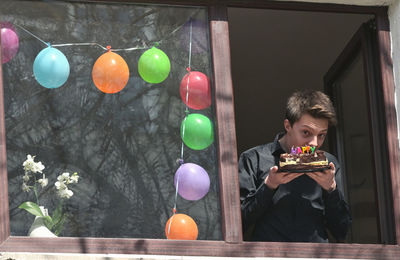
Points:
point(124, 145)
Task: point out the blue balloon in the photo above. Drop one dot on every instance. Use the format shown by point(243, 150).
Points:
point(51, 68)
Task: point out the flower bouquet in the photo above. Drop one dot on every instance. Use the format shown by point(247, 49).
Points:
point(54, 223)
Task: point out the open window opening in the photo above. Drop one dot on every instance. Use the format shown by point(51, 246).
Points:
point(276, 52)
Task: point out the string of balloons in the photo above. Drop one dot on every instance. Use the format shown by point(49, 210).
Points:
point(110, 74)
point(191, 181)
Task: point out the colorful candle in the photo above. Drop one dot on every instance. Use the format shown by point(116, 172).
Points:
point(302, 149)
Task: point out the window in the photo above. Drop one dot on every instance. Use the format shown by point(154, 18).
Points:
point(226, 153)
point(125, 145)
point(305, 45)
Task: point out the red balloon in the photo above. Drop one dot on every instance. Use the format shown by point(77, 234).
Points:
point(182, 227)
point(198, 84)
point(110, 73)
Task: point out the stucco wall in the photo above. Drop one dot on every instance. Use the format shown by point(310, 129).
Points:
point(394, 17)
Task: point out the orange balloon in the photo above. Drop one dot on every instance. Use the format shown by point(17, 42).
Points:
point(181, 226)
point(110, 73)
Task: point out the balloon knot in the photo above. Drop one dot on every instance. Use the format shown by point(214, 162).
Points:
point(48, 44)
point(188, 69)
point(179, 161)
point(108, 48)
point(156, 44)
point(174, 210)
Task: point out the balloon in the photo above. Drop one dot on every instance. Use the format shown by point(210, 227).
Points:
point(197, 131)
point(154, 66)
point(198, 84)
point(194, 181)
point(110, 72)
point(199, 36)
point(9, 43)
point(181, 226)
point(51, 68)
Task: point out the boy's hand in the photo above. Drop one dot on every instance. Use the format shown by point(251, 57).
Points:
point(275, 178)
point(325, 179)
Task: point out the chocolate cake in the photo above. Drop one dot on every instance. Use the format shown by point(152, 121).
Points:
point(303, 159)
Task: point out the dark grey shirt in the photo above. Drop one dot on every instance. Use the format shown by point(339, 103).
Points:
point(299, 211)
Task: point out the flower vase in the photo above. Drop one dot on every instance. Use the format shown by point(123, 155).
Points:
point(38, 228)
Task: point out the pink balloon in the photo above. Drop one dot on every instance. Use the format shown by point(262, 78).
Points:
point(198, 86)
point(9, 44)
point(193, 181)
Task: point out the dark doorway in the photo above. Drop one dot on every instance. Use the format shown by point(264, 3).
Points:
point(276, 52)
point(358, 140)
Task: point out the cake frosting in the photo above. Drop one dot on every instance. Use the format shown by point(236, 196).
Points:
point(303, 158)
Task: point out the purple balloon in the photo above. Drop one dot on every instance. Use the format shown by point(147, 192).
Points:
point(194, 181)
point(199, 36)
point(9, 44)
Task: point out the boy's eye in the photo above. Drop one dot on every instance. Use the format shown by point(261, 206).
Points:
point(305, 132)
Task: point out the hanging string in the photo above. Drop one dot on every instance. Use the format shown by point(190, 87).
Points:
point(176, 198)
point(45, 43)
point(144, 45)
point(84, 43)
point(187, 85)
point(181, 161)
point(79, 44)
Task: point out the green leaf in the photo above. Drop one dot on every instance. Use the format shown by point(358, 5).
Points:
point(48, 221)
point(32, 208)
point(58, 220)
point(57, 214)
point(58, 226)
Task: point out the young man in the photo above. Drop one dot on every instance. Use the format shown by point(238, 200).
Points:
point(294, 207)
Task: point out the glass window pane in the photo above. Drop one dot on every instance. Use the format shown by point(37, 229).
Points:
point(125, 146)
point(356, 148)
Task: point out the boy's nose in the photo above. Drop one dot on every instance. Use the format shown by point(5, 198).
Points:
point(314, 141)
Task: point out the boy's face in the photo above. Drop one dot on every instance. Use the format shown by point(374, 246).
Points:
point(306, 131)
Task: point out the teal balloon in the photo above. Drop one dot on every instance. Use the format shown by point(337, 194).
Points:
point(51, 68)
point(197, 131)
point(154, 66)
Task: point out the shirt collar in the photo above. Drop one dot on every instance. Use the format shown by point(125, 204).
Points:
point(277, 148)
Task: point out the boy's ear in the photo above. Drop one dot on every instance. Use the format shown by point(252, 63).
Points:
point(287, 125)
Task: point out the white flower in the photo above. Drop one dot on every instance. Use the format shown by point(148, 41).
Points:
point(25, 177)
point(65, 193)
point(74, 178)
point(31, 166)
point(60, 185)
point(63, 177)
point(25, 187)
point(28, 163)
point(38, 167)
point(44, 181)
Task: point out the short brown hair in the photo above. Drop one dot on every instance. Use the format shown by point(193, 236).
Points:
point(312, 102)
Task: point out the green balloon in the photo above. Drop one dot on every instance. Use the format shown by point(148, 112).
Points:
point(154, 66)
point(197, 131)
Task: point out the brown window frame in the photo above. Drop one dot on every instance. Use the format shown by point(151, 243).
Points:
point(232, 244)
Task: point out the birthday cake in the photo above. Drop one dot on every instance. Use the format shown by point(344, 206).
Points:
point(303, 159)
